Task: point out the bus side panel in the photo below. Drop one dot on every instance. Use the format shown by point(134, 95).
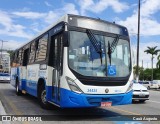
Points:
point(13, 76)
point(33, 75)
point(32, 79)
point(49, 88)
point(22, 77)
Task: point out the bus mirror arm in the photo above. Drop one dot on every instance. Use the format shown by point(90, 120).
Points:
point(65, 38)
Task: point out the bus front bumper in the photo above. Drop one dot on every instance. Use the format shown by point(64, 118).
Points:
point(71, 99)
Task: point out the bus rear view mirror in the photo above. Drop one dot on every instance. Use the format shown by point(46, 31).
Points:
point(65, 39)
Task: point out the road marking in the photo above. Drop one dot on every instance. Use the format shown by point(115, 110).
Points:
point(153, 101)
point(125, 111)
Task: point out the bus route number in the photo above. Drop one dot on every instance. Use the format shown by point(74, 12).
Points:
point(92, 90)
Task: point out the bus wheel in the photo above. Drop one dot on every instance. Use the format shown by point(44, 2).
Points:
point(42, 98)
point(18, 91)
point(148, 88)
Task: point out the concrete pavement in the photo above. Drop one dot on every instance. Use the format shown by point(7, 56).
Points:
point(2, 110)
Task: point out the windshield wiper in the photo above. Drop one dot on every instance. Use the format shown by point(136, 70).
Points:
point(95, 43)
point(109, 52)
point(112, 47)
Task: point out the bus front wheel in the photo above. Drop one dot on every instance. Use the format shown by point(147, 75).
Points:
point(42, 98)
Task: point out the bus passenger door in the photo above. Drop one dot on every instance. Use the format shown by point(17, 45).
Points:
point(24, 68)
point(56, 49)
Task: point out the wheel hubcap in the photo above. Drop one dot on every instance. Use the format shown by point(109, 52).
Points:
point(43, 96)
point(17, 88)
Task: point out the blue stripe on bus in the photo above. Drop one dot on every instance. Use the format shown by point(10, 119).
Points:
point(23, 84)
point(49, 93)
point(29, 86)
point(72, 99)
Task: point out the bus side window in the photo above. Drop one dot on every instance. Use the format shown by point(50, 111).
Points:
point(25, 57)
point(16, 59)
point(20, 57)
point(41, 52)
point(1, 67)
point(17, 54)
point(32, 53)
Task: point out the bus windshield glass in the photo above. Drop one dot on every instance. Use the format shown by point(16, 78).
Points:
point(113, 61)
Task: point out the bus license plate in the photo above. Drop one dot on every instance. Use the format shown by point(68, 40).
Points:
point(106, 104)
point(142, 95)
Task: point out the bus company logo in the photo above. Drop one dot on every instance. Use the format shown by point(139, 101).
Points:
point(6, 118)
point(106, 90)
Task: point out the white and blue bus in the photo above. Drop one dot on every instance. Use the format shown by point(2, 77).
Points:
point(4, 62)
point(77, 62)
point(4, 67)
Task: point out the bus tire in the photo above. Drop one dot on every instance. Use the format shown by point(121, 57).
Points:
point(18, 91)
point(42, 98)
point(148, 88)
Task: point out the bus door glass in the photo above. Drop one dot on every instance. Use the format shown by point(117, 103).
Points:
point(25, 57)
point(56, 49)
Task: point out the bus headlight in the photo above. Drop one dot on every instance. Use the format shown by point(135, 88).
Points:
point(130, 86)
point(73, 86)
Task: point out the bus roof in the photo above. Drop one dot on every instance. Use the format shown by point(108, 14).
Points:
point(65, 19)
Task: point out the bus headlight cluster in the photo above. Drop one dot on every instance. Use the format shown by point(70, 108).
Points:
point(130, 86)
point(73, 86)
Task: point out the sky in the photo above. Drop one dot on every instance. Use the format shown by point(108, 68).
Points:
point(20, 20)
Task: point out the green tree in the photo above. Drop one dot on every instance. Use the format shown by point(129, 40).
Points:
point(156, 75)
point(140, 71)
point(147, 74)
point(153, 51)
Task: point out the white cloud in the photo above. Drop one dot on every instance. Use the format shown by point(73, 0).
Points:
point(148, 25)
point(35, 27)
point(6, 20)
point(47, 4)
point(30, 15)
point(52, 16)
point(144, 56)
point(150, 7)
point(69, 8)
point(12, 45)
point(9, 28)
point(101, 5)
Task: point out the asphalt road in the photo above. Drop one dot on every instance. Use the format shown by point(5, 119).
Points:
point(28, 105)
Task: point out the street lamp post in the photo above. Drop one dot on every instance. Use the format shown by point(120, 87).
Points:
point(137, 70)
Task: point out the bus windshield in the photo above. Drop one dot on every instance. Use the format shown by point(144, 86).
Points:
point(85, 60)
